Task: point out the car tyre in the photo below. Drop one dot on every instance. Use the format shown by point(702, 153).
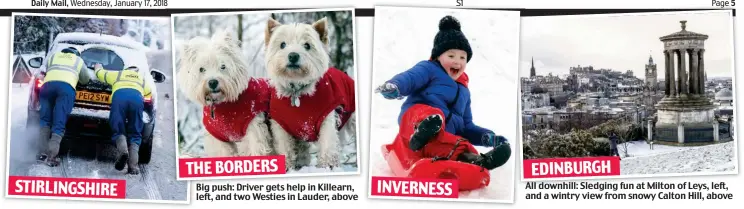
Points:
point(145, 149)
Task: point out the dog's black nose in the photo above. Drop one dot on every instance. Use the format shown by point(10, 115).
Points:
point(213, 84)
point(293, 57)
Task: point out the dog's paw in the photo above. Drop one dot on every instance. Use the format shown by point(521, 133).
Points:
point(326, 160)
point(303, 160)
point(290, 165)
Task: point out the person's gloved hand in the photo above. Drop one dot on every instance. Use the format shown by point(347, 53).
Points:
point(389, 91)
point(490, 139)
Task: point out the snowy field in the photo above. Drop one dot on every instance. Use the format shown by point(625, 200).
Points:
point(403, 37)
point(664, 159)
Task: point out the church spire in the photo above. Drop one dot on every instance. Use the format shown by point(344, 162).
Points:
point(532, 68)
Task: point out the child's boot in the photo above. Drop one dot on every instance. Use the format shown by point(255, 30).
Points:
point(425, 131)
point(489, 160)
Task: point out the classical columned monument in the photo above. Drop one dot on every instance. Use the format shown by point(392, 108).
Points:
point(684, 114)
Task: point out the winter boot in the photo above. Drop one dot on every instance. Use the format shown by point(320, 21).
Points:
point(134, 159)
point(425, 131)
point(41, 142)
point(121, 148)
point(489, 160)
point(53, 150)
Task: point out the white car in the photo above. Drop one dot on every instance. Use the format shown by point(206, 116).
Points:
point(89, 118)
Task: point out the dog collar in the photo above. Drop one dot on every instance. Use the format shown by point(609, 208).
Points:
point(294, 92)
point(295, 89)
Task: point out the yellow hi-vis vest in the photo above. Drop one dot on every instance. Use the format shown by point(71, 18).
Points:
point(123, 79)
point(64, 67)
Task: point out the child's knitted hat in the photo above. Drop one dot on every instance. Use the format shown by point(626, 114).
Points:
point(450, 37)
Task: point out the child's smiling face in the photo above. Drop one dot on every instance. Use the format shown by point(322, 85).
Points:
point(454, 61)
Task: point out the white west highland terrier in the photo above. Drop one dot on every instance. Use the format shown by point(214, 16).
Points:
point(312, 101)
point(213, 74)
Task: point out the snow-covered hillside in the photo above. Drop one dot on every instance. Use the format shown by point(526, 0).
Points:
point(667, 159)
point(404, 36)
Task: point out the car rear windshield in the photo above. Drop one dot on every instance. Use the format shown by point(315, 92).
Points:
point(109, 59)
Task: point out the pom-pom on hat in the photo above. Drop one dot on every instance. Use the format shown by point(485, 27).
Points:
point(450, 37)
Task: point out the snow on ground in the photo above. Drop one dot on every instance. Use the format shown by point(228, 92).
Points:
point(708, 158)
point(402, 39)
point(641, 148)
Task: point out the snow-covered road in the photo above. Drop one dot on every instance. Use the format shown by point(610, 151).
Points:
point(156, 182)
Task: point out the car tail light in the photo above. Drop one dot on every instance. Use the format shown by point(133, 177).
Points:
point(38, 83)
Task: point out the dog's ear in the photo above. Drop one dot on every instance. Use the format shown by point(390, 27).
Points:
point(271, 24)
point(321, 26)
point(188, 51)
point(227, 37)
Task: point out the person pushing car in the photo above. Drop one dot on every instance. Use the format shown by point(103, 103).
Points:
point(57, 97)
point(125, 118)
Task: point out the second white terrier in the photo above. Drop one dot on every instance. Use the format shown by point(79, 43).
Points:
point(311, 101)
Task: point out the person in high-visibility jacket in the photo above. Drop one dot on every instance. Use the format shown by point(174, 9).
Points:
point(127, 104)
point(57, 97)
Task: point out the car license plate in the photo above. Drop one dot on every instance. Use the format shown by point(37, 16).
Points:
point(92, 97)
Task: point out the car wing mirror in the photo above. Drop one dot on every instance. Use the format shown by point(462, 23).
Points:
point(35, 62)
point(158, 76)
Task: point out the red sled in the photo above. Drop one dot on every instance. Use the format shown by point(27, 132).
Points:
point(406, 163)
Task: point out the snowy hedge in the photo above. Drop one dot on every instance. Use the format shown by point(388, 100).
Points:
point(579, 143)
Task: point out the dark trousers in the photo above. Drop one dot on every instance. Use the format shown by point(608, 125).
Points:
point(56, 99)
point(127, 106)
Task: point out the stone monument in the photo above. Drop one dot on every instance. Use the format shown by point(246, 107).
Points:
point(684, 114)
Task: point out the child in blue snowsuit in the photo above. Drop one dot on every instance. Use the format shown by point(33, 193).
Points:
point(439, 99)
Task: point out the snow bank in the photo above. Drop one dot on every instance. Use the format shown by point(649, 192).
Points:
point(18, 103)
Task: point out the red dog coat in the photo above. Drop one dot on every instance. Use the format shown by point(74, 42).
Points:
point(334, 89)
point(231, 119)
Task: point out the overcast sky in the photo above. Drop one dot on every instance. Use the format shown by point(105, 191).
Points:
point(620, 42)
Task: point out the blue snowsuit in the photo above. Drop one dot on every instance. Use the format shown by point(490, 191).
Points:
point(429, 84)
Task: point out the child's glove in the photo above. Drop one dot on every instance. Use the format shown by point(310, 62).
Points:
point(389, 91)
point(492, 140)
